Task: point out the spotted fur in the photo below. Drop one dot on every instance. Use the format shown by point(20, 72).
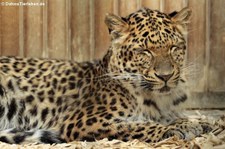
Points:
point(134, 92)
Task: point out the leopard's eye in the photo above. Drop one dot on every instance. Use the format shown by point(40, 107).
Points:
point(177, 54)
point(143, 51)
point(145, 58)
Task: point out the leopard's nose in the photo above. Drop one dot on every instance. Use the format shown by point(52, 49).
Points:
point(164, 77)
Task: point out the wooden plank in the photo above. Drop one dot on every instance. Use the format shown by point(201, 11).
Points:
point(116, 7)
point(173, 5)
point(217, 44)
point(207, 46)
point(102, 36)
point(196, 46)
point(128, 6)
point(57, 42)
point(154, 5)
point(68, 30)
point(10, 29)
point(33, 35)
point(80, 30)
point(92, 30)
point(45, 50)
point(21, 31)
point(1, 30)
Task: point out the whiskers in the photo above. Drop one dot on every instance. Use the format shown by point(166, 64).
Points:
point(125, 76)
point(192, 70)
point(146, 85)
point(134, 79)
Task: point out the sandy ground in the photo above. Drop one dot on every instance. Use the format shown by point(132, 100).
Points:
point(214, 140)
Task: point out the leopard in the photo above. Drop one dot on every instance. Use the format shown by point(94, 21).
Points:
point(135, 91)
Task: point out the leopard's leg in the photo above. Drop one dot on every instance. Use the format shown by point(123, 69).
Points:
point(147, 132)
point(144, 131)
point(153, 132)
point(122, 130)
point(125, 131)
point(189, 129)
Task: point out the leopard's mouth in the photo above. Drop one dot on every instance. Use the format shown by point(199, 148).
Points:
point(165, 89)
point(162, 90)
point(159, 87)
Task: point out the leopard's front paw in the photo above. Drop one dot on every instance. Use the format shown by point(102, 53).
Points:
point(206, 127)
point(184, 134)
point(188, 130)
point(173, 132)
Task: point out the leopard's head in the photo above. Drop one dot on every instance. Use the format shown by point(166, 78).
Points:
point(148, 48)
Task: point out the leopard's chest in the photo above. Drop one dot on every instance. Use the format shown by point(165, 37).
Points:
point(161, 108)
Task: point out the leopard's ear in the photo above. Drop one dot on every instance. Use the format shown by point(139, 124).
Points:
point(118, 27)
point(181, 18)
